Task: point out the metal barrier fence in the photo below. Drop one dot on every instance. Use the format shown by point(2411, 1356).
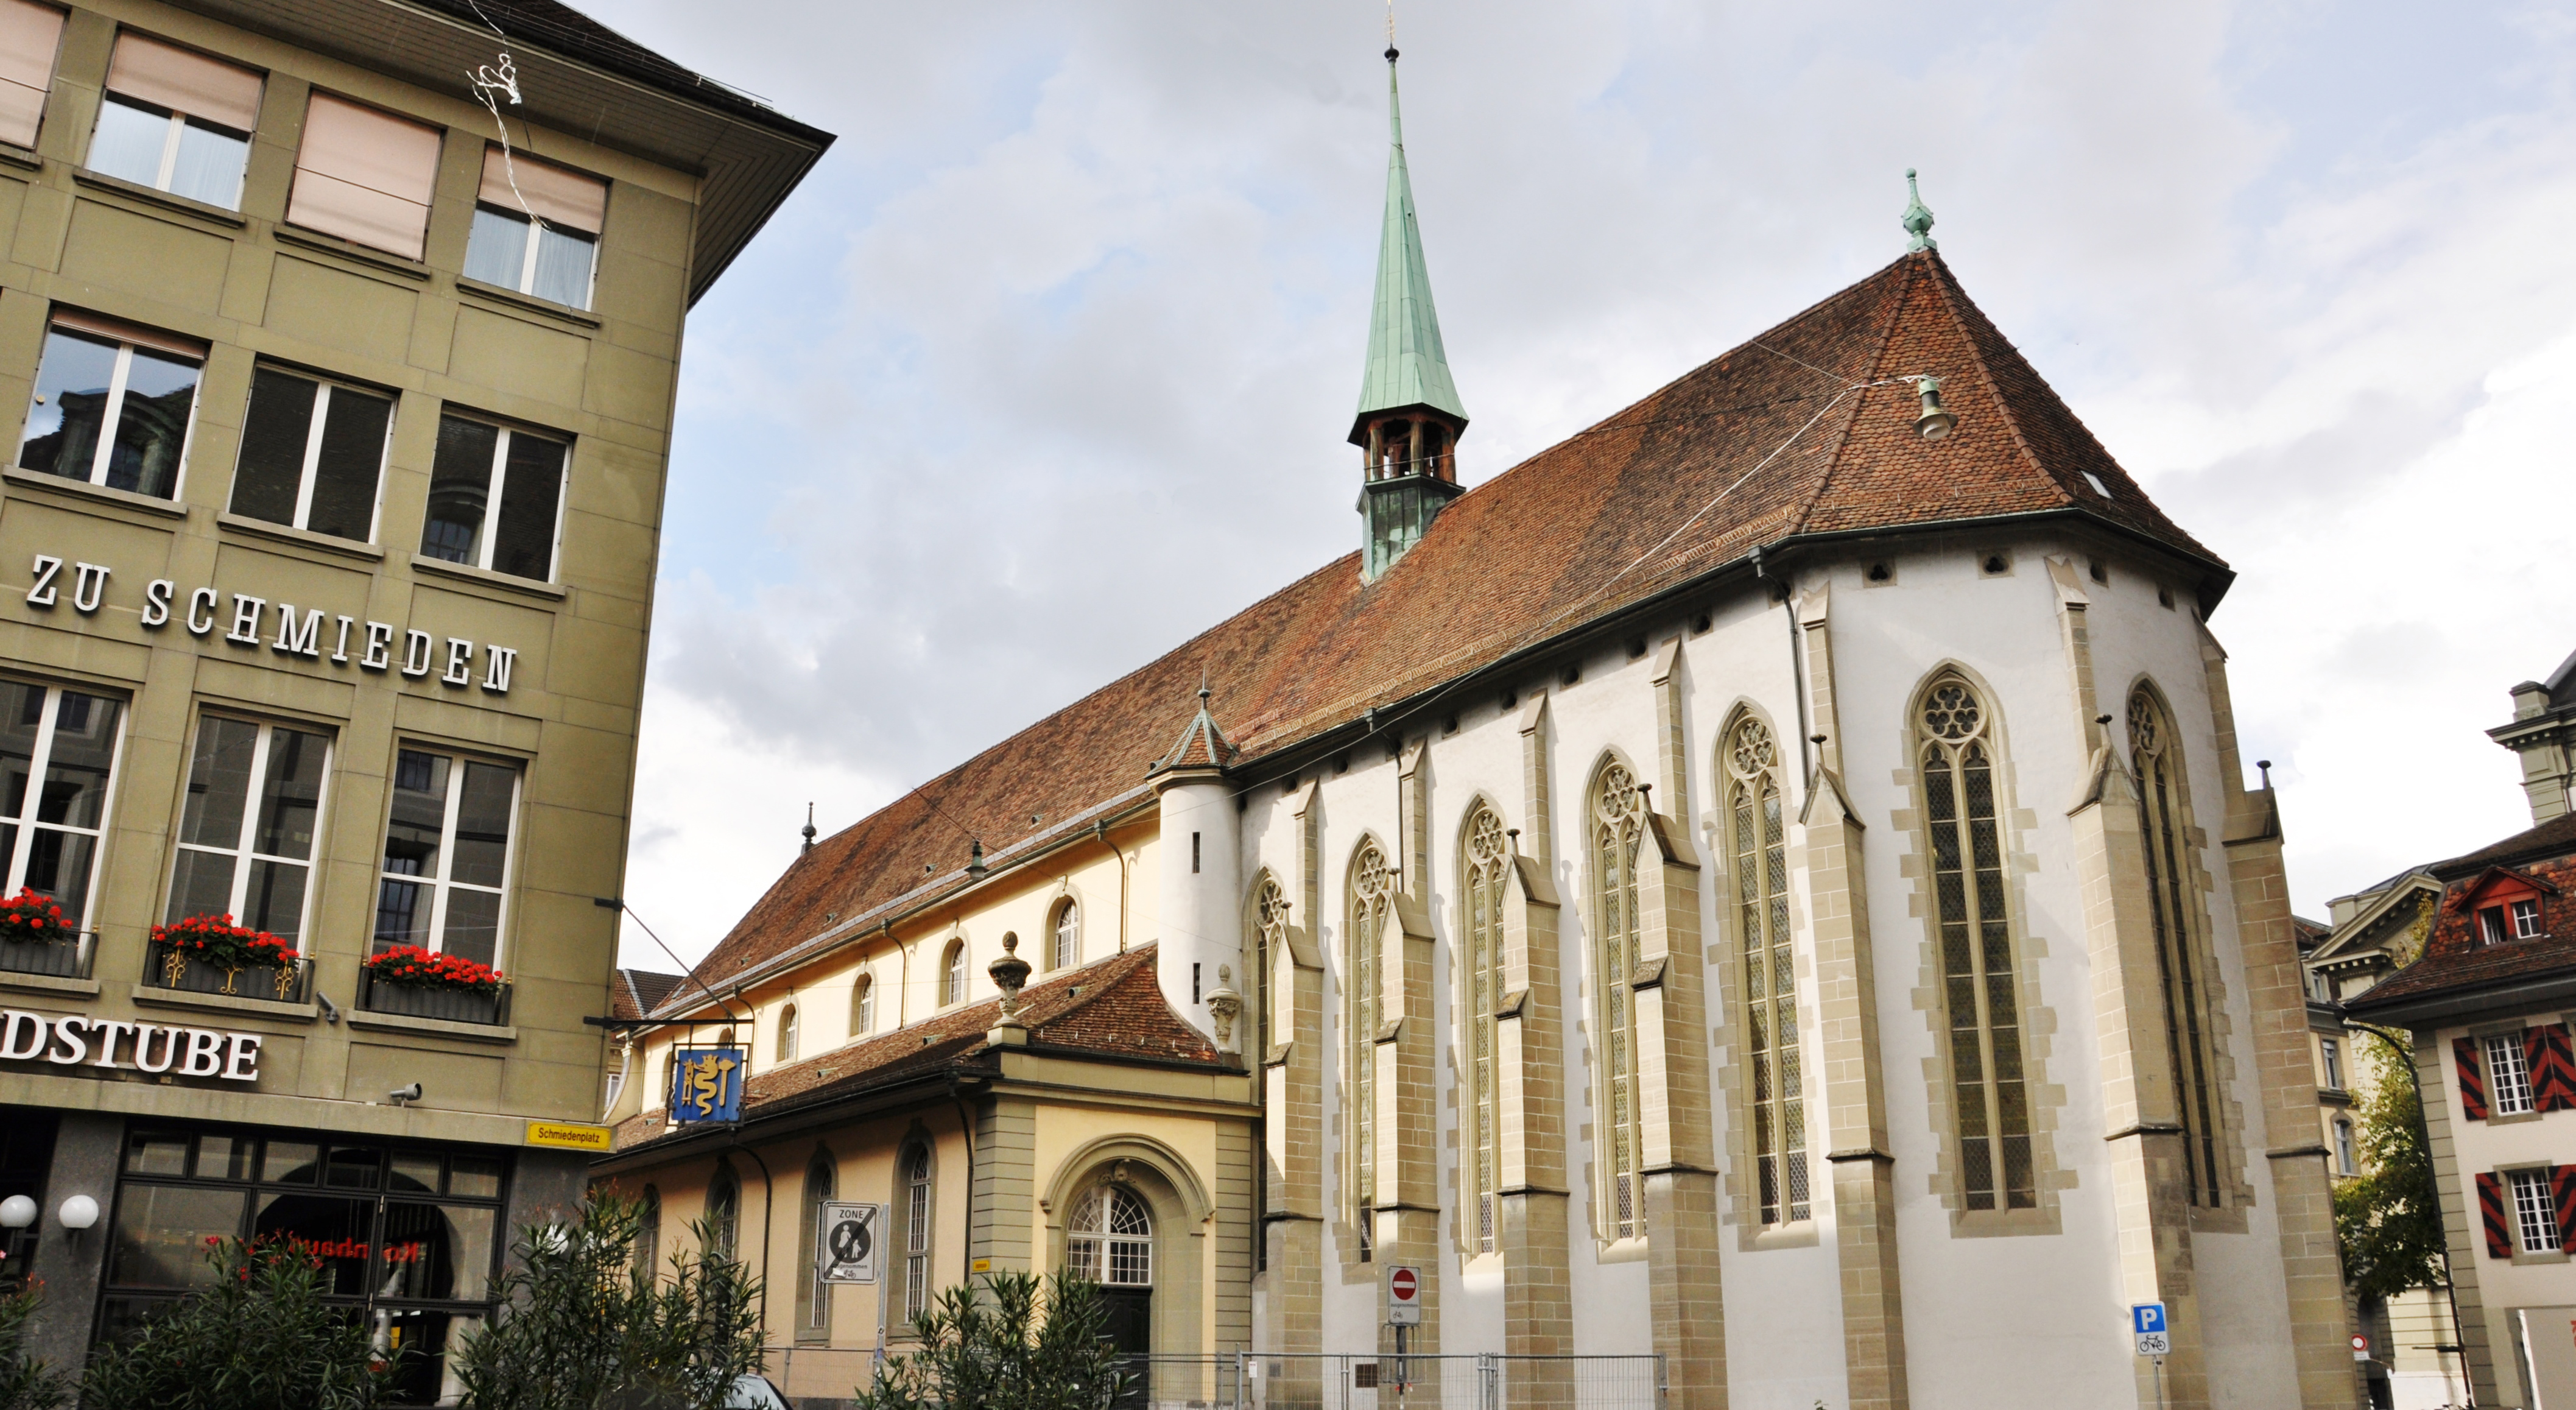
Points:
point(819, 1375)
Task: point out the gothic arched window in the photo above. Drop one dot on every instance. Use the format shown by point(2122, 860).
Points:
point(1067, 935)
point(1977, 969)
point(1777, 1101)
point(1110, 1238)
point(952, 974)
point(1486, 856)
point(2164, 823)
point(863, 1005)
point(1372, 888)
point(813, 1295)
point(1270, 923)
point(1618, 830)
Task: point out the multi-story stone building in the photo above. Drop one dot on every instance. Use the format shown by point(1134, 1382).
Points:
point(326, 561)
point(1768, 881)
point(2485, 982)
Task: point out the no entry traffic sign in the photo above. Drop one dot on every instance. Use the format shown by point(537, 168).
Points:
point(1403, 1297)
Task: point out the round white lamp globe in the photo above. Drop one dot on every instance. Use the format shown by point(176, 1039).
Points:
point(17, 1212)
point(79, 1212)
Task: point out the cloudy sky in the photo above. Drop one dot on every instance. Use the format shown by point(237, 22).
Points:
point(1047, 365)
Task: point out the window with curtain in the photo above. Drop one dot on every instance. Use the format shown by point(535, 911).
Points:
point(1776, 1097)
point(30, 36)
point(1977, 970)
point(863, 1005)
point(813, 1295)
point(916, 1230)
point(312, 454)
point(952, 974)
point(1372, 905)
point(2165, 827)
point(175, 120)
point(1618, 830)
point(1110, 1238)
point(1067, 935)
point(364, 175)
point(536, 227)
point(113, 405)
point(245, 845)
point(1482, 869)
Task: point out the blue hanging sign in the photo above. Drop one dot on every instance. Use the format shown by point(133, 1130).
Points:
point(706, 1084)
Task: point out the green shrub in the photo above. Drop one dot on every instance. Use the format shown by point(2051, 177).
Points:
point(25, 1382)
point(261, 1338)
point(581, 1328)
point(1024, 1344)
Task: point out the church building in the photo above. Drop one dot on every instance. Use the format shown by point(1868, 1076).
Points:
point(1768, 881)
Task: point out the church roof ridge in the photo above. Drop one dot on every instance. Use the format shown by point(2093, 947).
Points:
point(1684, 483)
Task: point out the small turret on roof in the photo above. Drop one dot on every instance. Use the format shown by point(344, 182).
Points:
point(1201, 745)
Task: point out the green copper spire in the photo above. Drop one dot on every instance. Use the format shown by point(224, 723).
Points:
point(1407, 366)
point(1917, 219)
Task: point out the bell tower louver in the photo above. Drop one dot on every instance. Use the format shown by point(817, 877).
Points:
point(1410, 417)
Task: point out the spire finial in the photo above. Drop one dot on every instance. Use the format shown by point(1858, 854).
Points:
point(1390, 31)
point(809, 830)
point(1917, 219)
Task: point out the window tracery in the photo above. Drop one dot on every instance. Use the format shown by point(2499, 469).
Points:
point(1487, 855)
point(1978, 974)
point(1618, 830)
point(1372, 904)
point(1777, 1106)
point(1110, 1238)
point(2165, 827)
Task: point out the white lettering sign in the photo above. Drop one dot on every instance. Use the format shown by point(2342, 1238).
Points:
point(74, 1040)
point(299, 630)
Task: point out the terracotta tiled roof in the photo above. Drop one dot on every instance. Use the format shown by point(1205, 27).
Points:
point(1803, 431)
point(638, 992)
point(1111, 1008)
point(2455, 960)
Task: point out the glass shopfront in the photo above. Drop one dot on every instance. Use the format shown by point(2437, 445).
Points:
point(409, 1237)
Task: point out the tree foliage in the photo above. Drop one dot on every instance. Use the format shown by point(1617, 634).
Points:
point(1025, 1344)
point(582, 1328)
point(2389, 1218)
point(25, 1382)
point(261, 1338)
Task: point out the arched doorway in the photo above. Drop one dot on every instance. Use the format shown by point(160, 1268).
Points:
point(1110, 1240)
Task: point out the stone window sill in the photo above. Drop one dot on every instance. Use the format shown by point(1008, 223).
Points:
point(1799, 1235)
point(405, 1023)
point(526, 303)
point(485, 577)
point(137, 191)
point(301, 538)
point(48, 984)
point(14, 155)
point(150, 996)
point(123, 499)
point(353, 251)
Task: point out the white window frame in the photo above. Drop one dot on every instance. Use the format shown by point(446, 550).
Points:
point(441, 885)
point(245, 838)
point(920, 1185)
point(170, 143)
point(2535, 1211)
point(1092, 1244)
point(2491, 926)
point(41, 759)
point(322, 389)
point(787, 1034)
point(527, 282)
point(2332, 1050)
point(115, 409)
point(2508, 1074)
point(1064, 936)
point(863, 1005)
point(490, 535)
point(952, 975)
point(2523, 918)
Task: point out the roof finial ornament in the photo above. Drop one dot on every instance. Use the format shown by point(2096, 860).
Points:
point(1390, 31)
point(1917, 219)
point(809, 831)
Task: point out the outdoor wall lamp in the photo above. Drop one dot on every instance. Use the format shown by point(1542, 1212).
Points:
point(78, 1213)
point(17, 1212)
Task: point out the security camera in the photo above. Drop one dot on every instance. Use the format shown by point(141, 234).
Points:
point(401, 1095)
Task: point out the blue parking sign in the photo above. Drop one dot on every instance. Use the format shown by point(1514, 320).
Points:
point(2147, 1318)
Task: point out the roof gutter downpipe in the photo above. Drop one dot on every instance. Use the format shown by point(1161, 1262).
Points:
point(1797, 670)
point(1101, 829)
point(965, 1128)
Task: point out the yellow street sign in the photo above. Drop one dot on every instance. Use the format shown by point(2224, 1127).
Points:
point(568, 1136)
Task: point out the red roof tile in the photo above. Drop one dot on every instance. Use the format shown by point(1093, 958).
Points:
point(2455, 959)
point(1803, 431)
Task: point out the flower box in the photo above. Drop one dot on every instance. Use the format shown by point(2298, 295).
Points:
point(35, 939)
point(486, 1006)
point(167, 967)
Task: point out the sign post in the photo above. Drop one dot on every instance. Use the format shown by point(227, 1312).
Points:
point(846, 1241)
point(1403, 1310)
point(2155, 1338)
